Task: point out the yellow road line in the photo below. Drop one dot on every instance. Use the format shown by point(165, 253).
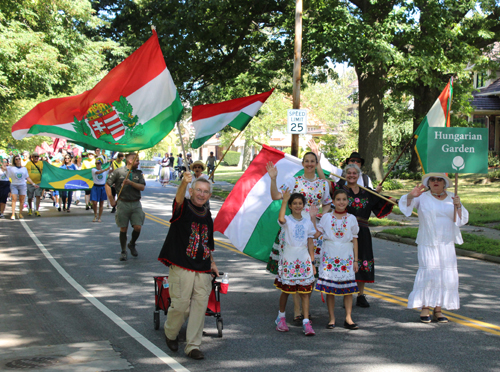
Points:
point(460, 319)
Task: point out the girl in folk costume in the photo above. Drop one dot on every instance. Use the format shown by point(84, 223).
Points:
point(295, 266)
point(339, 261)
point(316, 192)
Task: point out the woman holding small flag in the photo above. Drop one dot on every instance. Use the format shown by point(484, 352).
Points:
point(316, 192)
point(436, 282)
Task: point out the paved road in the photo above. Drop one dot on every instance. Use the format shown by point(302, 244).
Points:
point(39, 308)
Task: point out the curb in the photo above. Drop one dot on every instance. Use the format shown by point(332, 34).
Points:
point(460, 252)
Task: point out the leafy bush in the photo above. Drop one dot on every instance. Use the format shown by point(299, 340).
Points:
point(401, 171)
point(232, 158)
point(392, 185)
point(494, 175)
point(493, 159)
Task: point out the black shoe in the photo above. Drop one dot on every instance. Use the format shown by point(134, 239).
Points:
point(123, 256)
point(172, 344)
point(133, 251)
point(113, 210)
point(59, 209)
point(361, 301)
point(87, 207)
point(196, 354)
point(352, 326)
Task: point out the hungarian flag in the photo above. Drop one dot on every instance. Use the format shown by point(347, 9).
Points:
point(438, 116)
point(249, 217)
point(134, 107)
point(237, 113)
point(55, 178)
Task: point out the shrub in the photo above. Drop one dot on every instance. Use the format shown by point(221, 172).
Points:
point(493, 159)
point(401, 171)
point(392, 185)
point(232, 158)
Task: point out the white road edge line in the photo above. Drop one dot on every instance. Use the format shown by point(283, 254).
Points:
point(165, 358)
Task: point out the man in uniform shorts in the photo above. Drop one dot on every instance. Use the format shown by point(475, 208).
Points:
point(35, 168)
point(128, 205)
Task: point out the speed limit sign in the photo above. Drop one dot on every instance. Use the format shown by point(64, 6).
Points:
point(297, 121)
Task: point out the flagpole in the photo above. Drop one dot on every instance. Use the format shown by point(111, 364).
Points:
point(455, 209)
point(182, 145)
point(396, 161)
point(220, 161)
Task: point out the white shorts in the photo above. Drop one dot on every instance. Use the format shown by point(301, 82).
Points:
point(18, 189)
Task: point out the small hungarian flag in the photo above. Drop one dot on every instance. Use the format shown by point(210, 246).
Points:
point(134, 107)
point(438, 116)
point(237, 113)
point(249, 217)
point(54, 178)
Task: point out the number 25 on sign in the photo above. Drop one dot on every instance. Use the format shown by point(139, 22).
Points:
point(297, 121)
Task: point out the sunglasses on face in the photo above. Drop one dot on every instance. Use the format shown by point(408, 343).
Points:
point(436, 179)
point(354, 161)
point(197, 167)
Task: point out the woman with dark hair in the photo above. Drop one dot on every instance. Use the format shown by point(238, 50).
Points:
point(316, 192)
point(19, 176)
point(361, 203)
point(67, 196)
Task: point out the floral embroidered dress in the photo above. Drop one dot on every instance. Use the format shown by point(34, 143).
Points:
point(317, 193)
point(336, 270)
point(361, 205)
point(295, 270)
point(436, 282)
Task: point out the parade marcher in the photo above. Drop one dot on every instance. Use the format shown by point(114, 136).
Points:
point(4, 186)
point(188, 252)
point(197, 169)
point(117, 163)
point(35, 169)
point(128, 206)
point(165, 170)
point(317, 193)
point(67, 196)
point(19, 177)
point(361, 203)
point(77, 161)
point(363, 180)
point(211, 164)
point(436, 282)
point(102, 156)
point(339, 261)
point(88, 163)
point(189, 160)
point(296, 268)
point(98, 191)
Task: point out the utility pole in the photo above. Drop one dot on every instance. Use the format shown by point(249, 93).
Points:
point(297, 57)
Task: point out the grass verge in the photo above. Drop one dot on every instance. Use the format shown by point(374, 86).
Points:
point(472, 242)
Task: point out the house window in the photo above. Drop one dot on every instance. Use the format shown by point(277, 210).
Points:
point(479, 121)
point(480, 79)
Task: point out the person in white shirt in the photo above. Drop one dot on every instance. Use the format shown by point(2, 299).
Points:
point(18, 175)
point(98, 191)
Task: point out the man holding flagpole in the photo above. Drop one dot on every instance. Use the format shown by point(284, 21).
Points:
point(128, 205)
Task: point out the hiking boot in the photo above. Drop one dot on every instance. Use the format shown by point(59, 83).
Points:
point(172, 344)
point(308, 329)
point(123, 256)
point(281, 324)
point(133, 251)
point(361, 301)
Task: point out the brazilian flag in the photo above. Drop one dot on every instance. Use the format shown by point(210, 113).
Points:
point(54, 178)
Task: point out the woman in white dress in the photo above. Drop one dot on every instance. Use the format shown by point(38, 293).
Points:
point(436, 282)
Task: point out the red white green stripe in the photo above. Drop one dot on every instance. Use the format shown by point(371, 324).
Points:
point(249, 216)
point(438, 116)
point(150, 107)
point(237, 113)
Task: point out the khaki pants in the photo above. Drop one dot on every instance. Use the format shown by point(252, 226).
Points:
point(189, 292)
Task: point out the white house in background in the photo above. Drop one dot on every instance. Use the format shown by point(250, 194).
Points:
point(486, 102)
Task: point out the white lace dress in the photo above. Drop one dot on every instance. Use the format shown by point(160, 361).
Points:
point(436, 283)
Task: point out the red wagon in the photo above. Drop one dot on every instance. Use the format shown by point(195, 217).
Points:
point(162, 302)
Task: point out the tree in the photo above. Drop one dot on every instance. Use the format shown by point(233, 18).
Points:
point(45, 53)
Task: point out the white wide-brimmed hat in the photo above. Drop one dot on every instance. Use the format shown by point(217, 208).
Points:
point(425, 178)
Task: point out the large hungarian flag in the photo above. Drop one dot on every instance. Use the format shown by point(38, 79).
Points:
point(237, 113)
point(134, 107)
point(55, 178)
point(249, 217)
point(438, 116)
